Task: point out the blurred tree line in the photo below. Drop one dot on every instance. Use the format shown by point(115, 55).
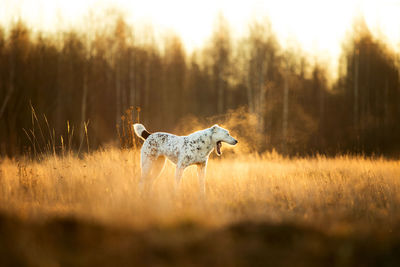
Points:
point(95, 75)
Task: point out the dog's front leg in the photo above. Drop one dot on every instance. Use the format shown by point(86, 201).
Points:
point(201, 173)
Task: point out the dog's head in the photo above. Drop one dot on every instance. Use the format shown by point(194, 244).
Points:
point(219, 135)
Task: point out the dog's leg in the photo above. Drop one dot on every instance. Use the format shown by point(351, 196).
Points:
point(146, 165)
point(178, 177)
point(157, 167)
point(201, 173)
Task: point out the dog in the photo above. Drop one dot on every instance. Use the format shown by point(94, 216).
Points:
point(184, 151)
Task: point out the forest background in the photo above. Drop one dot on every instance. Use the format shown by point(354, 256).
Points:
point(275, 98)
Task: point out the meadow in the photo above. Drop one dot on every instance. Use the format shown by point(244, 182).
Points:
point(258, 210)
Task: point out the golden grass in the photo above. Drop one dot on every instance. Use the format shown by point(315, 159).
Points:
point(334, 195)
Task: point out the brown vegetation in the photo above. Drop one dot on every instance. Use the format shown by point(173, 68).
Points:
point(258, 210)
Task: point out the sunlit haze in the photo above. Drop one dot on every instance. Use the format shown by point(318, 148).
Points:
point(318, 26)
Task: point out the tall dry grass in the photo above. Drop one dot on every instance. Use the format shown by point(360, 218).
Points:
point(332, 194)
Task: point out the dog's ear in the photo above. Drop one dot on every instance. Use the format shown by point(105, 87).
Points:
point(214, 128)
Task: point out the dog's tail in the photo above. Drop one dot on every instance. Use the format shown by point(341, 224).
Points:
point(141, 131)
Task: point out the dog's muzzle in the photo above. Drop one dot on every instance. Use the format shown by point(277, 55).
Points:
point(234, 142)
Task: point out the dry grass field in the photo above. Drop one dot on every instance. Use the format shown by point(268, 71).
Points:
point(259, 210)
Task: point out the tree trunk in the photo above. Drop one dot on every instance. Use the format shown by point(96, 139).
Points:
point(355, 107)
point(118, 93)
point(250, 95)
point(285, 111)
point(220, 90)
point(84, 102)
point(132, 91)
point(261, 98)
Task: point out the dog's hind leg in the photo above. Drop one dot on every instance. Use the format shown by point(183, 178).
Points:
point(156, 169)
point(146, 165)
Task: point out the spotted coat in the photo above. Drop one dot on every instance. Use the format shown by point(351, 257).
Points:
point(181, 150)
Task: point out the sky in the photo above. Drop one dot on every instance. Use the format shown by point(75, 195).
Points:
point(318, 26)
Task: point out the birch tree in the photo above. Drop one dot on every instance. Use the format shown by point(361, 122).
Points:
point(261, 49)
point(220, 57)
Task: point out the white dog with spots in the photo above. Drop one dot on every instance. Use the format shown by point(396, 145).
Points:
point(184, 151)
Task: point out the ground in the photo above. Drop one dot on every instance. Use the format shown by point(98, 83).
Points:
point(260, 210)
